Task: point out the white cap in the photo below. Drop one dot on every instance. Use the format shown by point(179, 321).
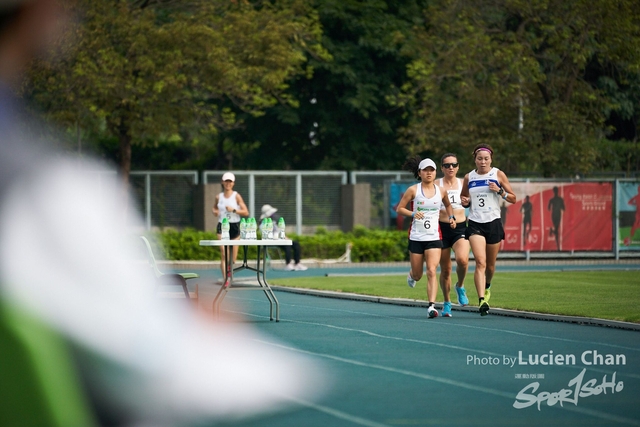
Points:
point(267, 211)
point(229, 177)
point(427, 163)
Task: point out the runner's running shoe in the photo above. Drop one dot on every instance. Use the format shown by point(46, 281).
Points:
point(410, 281)
point(462, 296)
point(432, 312)
point(484, 308)
point(487, 294)
point(446, 309)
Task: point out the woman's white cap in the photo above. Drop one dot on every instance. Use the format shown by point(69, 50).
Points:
point(229, 177)
point(426, 163)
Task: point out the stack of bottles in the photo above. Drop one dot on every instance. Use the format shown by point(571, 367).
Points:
point(268, 231)
point(249, 229)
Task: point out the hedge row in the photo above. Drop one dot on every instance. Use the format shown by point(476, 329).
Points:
point(367, 245)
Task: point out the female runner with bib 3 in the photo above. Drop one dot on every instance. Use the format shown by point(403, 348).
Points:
point(485, 186)
point(425, 237)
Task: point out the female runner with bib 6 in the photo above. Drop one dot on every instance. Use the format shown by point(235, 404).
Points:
point(425, 237)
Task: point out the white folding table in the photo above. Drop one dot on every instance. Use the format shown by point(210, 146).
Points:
point(260, 269)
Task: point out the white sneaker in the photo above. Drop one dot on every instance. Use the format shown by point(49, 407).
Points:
point(290, 266)
point(300, 267)
point(432, 312)
point(410, 281)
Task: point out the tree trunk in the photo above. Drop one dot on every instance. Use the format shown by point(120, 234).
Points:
point(546, 166)
point(125, 152)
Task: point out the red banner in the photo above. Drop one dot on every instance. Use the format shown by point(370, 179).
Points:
point(559, 217)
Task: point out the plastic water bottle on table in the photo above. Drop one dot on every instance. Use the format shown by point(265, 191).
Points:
point(253, 226)
point(269, 228)
point(281, 227)
point(225, 229)
point(243, 228)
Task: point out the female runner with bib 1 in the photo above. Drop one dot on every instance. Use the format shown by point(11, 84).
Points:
point(484, 186)
point(453, 239)
point(425, 237)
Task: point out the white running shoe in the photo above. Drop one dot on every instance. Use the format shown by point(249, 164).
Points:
point(300, 267)
point(290, 266)
point(432, 312)
point(410, 281)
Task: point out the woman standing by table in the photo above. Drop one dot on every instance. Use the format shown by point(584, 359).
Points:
point(425, 237)
point(230, 205)
point(485, 186)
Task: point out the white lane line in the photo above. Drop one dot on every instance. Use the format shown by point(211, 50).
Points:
point(390, 337)
point(482, 389)
point(430, 343)
point(457, 325)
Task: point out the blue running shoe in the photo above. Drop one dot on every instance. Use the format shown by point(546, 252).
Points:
point(462, 296)
point(432, 312)
point(446, 309)
point(410, 281)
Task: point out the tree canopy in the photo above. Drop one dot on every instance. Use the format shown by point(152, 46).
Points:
point(537, 80)
point(350, 84)
point(144, 72)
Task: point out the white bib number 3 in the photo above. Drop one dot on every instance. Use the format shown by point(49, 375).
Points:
point(481, 202)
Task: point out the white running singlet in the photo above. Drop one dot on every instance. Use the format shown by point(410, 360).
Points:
point(222, 208)
point(426, 229)
point(453, 195)
point(485, 204)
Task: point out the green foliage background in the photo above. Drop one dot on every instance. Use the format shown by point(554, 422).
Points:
point(347, 85)
point(368, 245)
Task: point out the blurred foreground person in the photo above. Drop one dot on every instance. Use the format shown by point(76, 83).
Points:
point(83, 341)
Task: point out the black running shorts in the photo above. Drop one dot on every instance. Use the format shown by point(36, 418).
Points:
point(418, 247)
point(451, 235)
point(492, 231)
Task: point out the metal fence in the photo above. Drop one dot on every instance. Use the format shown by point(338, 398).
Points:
point(379, 182)
point(165, 198)
point(311, 199)
point(305, 199)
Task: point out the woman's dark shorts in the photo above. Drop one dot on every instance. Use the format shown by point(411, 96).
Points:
point(418, 247)
point(234, 229)
point(492, 231)
point(451, 235)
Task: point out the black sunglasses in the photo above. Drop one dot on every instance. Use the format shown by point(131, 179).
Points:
point(449, 165)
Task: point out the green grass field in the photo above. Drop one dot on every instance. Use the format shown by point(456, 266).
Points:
point(613, 295)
